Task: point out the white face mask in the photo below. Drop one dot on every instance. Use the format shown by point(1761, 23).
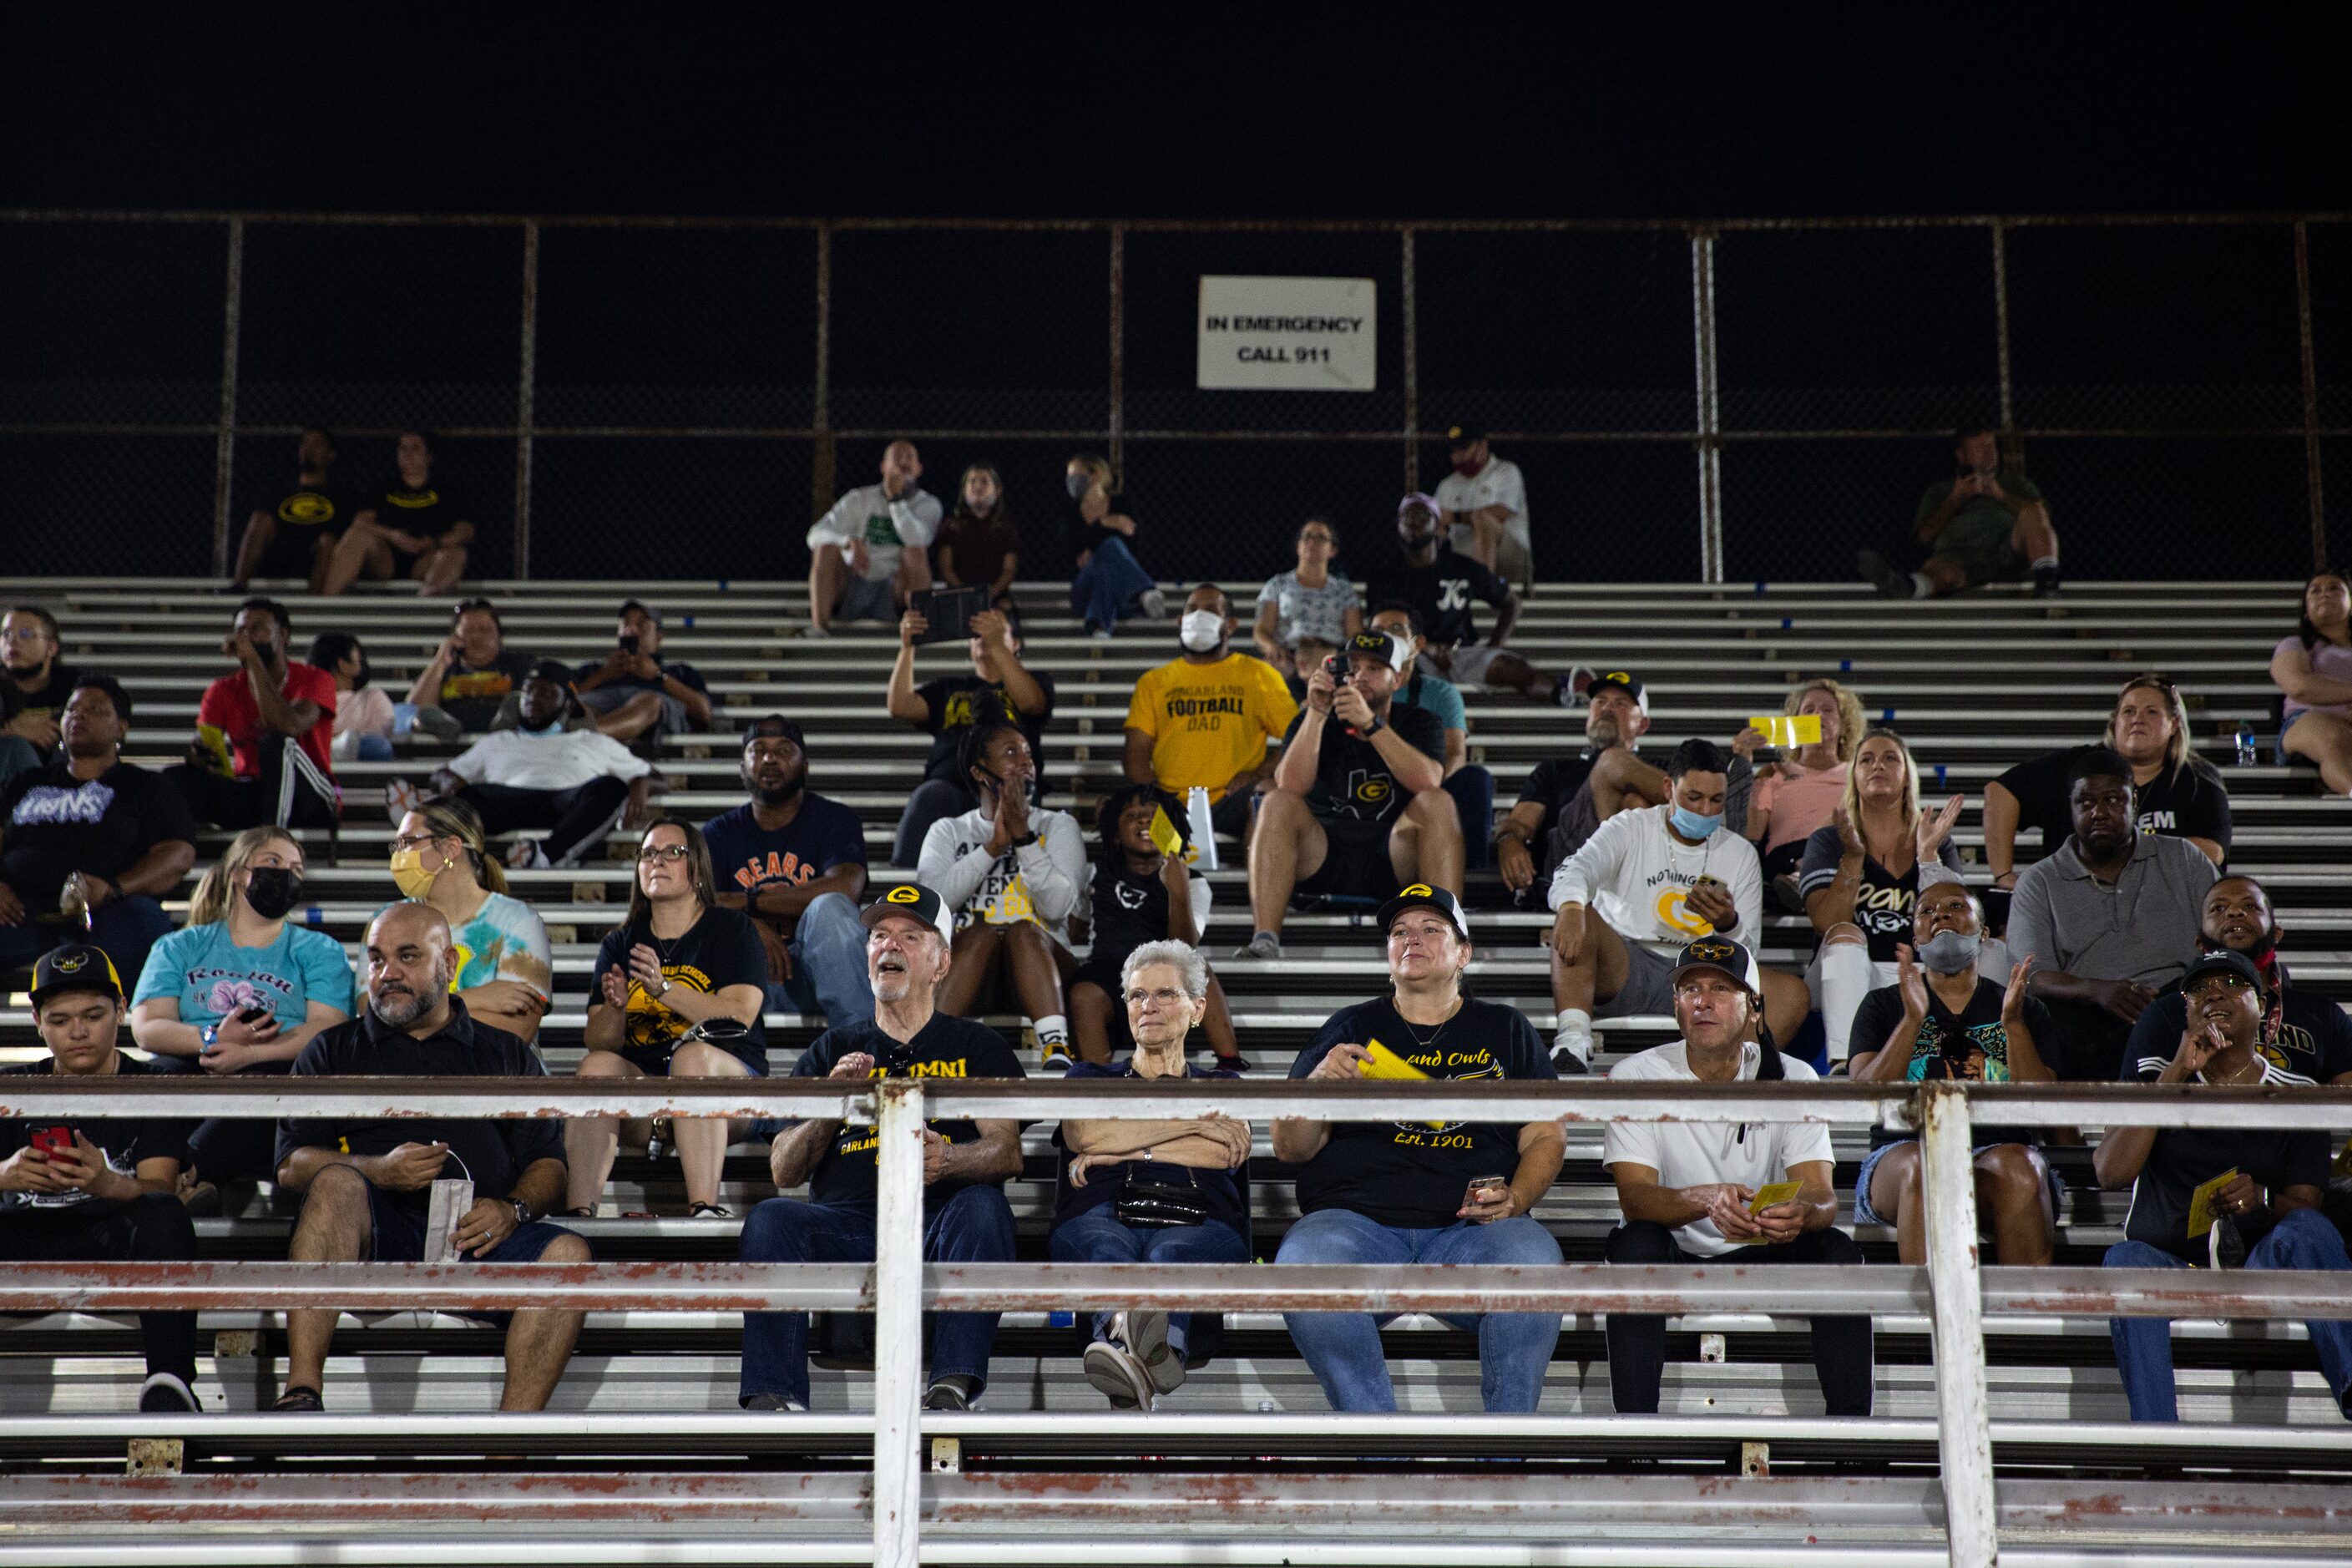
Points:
point(1201, 630)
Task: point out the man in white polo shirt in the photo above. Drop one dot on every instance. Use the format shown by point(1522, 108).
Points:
point(1484, 500)
point(1688, 1189)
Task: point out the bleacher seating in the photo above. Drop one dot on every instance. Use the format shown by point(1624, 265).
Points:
point(1974, 684)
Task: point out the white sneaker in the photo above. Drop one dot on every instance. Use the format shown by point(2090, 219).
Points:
point(400, 798)
point(814, 631)
point(1146, 1341)
point(1154, 604)
point(527, 856)
point(1115, 1370)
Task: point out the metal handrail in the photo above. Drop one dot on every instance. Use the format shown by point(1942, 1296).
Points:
point(899, 1291)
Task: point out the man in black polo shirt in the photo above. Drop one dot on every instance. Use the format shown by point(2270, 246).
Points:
point(90, 842)
point(1421, 1192)
point(1358, 805)
point(2230, 1197)
point(99, 1189)
point(965, 1216)
point(369, 1184)
point(1566, 798)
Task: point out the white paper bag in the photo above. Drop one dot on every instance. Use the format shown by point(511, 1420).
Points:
point(451, 1197)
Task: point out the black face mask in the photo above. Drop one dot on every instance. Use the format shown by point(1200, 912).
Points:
point(366, 674)
point(273, 890)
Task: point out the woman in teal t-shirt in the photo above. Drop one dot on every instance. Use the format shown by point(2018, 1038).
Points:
point(241, 989)
point(505, 966)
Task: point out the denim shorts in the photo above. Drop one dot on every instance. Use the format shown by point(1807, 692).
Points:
point(1866, 1215)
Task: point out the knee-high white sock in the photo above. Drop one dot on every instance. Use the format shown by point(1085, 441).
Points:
point(1574, 1030)
point(1846, 976)
point(1053, 1031)
point(1921, 588)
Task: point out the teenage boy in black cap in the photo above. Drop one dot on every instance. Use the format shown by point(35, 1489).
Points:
point(795, 862)
point(632, 692)
point(909, 951)
point(1415, 1192)
point(572, 783)
point(1358, 805)
point(2264, 1216)
point(1686, 1187)
point(99, 1190)
point(1566, 798)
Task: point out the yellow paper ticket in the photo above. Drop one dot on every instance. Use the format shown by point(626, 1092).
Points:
point(1164, 836)
point(1789, 730)
point(1766, 1196)
point(2201, 1210)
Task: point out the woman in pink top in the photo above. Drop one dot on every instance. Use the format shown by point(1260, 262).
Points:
point(2314, 667)
point(1796, 796)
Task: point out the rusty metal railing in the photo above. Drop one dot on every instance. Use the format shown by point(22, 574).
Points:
point(899, 1288)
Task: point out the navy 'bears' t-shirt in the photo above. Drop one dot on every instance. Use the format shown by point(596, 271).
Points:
point(1414, 1174)
point(944, 1048)
point(746, 858)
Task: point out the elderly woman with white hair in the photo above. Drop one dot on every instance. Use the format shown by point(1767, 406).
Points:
point(1151, 1191)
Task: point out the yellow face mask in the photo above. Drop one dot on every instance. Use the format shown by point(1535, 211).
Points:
point(409, 874)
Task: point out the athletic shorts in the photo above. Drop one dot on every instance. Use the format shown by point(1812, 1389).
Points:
point(1981, 550)
point(862, 599)
point(1646, 989)
point(1470, 662)
point(1356, 863)
point(399, 1237)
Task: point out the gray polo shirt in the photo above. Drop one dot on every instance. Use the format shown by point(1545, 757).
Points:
point(2144, 928)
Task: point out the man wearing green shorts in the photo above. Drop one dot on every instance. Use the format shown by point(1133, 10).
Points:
point(1985, 524)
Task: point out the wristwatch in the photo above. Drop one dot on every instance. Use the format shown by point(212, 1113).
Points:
point(1374, 728)
point(209, 1035)
point(524, 1213)
point(666, 985)
point(1026, 840)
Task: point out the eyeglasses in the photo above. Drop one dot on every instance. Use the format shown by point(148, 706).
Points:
point(1167, 996)
point(415, 840)
point(653, 852)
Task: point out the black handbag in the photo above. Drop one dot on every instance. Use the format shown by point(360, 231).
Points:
point(1149, 1197)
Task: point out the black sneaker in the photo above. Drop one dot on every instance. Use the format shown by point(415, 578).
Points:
point(1055, 1058)
point(167, 1394)
point(946, 1393)
point(1880, 573)
point(1568, 1064)
point(1236, 1063)
point(2045, 582)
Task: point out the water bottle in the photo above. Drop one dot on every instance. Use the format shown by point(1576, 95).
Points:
point(2245, 744)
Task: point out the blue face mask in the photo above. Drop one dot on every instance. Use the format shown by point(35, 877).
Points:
point(542, 734)
point(1691, 825)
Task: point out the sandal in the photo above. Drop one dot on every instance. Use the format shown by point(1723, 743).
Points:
point(708, 1211)
point(300, 1396)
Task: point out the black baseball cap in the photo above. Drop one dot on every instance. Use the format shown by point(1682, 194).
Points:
point(911, 899)
point(1422, 896)
point(1459, 435)
point(774, 727)
point(76, 966)
point(1724, 956)
point(1622, 682)
point(2221, 960)
point(552, 670)
point(1391, 651)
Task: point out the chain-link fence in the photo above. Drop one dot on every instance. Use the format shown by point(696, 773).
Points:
point(678, 398)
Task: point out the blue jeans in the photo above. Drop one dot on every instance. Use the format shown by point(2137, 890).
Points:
point(828, 950)
point(1108, 582)
point(1096, 1235)
point(1472, 789)
point(2303, 1239)
point(1343, 1349)
point(374, 748)
point(16, 756)
point(975, 1225)
point(123, 930)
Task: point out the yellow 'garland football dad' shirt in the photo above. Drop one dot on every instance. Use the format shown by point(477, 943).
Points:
point(1209, 722)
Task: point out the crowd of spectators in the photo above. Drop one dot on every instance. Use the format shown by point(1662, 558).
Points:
point(1334, 758)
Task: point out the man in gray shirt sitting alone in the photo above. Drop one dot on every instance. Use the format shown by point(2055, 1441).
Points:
point(2110, 920)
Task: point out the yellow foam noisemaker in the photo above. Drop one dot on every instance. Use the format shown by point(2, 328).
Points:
point(1790, 729)
point(217, 755)
point(2201, 1214)
point(1766, 1196)
point(1164, 836)
point(1386, 1063)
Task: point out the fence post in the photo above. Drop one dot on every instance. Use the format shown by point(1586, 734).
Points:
point(820, 496)
point(225, 453)
point(898, 1323)
point(2000, 325)
point(2319, 562)
point(1118, 410)
point(1411, 318)
point(1964, 1436)
point(1710, 454)
point(526, 398)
